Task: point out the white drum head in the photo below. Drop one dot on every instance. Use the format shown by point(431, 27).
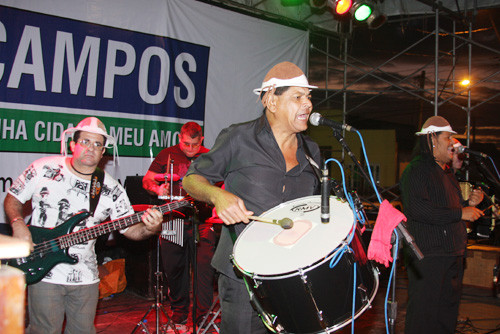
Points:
point(267, 249)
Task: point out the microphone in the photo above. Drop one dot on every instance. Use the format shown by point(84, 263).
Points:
point(464, 149)
point(166, 177)
point(325, 196)
point(316, 119)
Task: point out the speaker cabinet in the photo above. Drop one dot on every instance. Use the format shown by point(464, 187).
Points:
point(140, 266)
point(136, 193)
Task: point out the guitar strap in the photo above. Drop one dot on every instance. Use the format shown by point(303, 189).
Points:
point(96, 182)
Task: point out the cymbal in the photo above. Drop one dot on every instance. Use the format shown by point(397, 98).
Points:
point(167, 177)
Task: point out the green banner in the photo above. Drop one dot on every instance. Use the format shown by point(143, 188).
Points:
point(40, 132)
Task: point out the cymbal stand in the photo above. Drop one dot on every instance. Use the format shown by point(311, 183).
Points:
point(194, 265)
point(157, 305)
point(170, 227)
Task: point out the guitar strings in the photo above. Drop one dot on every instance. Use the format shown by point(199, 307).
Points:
point(64, 241)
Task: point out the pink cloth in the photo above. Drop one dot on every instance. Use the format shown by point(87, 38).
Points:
point(380, 244)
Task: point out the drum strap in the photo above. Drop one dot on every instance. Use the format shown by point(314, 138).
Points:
point(313, 163)
point(232, 233)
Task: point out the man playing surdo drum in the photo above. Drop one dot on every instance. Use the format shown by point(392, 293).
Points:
point(262, 163)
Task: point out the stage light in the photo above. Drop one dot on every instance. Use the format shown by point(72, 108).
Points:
point(465, 82)
point(367, 11)
point(343, 6)
point(362, 12)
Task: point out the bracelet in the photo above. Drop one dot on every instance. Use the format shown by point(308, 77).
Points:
point(16, 219)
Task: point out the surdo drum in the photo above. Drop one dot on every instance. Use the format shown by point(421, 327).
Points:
point(304, 279)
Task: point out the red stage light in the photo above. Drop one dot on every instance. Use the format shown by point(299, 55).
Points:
point(343, 6)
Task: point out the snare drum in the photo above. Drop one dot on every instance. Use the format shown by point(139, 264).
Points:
point(289, 275)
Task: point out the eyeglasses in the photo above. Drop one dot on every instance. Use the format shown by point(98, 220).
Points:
point(191, 145)
point(88, 143)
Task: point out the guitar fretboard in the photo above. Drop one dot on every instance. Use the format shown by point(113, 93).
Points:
point(93, 232)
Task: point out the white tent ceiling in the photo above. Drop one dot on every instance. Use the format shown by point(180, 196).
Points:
point(322, 20)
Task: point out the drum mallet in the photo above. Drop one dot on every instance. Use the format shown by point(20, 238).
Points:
point(285, 223)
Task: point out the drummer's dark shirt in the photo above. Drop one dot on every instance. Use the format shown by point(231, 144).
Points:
point(248, 159)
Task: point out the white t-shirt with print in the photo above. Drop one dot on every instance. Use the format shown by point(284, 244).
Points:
point(57, 194)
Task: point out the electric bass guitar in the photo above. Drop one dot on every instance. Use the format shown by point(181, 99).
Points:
point(51, 245)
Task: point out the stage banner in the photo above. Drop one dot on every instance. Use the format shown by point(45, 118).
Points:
point(143, 68)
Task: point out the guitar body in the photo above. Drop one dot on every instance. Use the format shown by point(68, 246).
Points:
point(37, 266)
point(51, 245)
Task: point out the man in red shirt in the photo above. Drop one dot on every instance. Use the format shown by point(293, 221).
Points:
point(178, 254)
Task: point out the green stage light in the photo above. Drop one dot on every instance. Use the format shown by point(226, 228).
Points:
point(362, 12)
point(368, 12)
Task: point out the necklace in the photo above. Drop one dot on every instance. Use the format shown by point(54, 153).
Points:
point(76, 170)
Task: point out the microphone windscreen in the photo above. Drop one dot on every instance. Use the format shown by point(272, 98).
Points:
point(314, 118)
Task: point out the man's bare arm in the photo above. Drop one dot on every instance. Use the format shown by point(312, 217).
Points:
point(14, 211)
point(230, 208)
point(153, 187)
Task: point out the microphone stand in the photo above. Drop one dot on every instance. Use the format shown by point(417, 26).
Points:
point(489, 175)
point(400, 229)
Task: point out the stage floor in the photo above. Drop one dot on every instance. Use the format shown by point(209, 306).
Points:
point(479, 312)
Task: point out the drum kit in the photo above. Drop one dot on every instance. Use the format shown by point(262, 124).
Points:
point(173, 227)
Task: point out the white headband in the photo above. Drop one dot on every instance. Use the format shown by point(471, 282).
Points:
point(433, 129)
point(300, 81)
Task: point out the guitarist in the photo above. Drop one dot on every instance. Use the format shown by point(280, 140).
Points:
point(71, 290)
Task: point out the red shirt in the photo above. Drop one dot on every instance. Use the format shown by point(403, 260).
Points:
point(180, 164)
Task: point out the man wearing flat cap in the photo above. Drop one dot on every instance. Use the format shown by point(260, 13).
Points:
point(263, 163)
point(58, 187)
point(436, 213)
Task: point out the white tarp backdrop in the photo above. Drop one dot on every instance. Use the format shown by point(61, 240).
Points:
point(144, 68)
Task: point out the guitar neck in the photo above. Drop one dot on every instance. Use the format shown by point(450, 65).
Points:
point(93, 232)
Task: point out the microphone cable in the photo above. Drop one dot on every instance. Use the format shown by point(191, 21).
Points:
point(374, 185)
point(357, 215)
point(345, 247)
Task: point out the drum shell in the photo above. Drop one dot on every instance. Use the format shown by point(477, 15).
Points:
point(296, 298)
point(291, 283)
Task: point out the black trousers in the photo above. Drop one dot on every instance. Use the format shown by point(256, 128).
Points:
point(238, 315)
point(434, 291)
point(177, 262)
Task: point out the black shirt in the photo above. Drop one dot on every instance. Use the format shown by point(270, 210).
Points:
point(432, 203)
point(248, 159)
